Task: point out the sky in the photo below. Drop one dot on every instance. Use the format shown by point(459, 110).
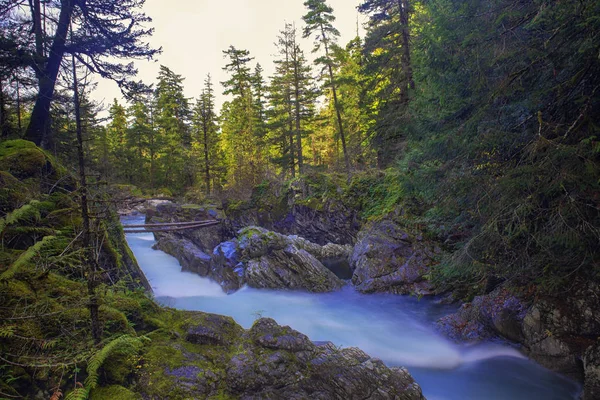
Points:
point(194, 33)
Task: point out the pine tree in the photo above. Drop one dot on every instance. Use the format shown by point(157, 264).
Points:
point(319, 22)
point(116, 132)
point(172, 123)
point(390, 69)
point(97, 32)
point(206, 129)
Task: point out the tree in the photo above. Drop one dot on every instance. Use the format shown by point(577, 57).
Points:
point(96, 32)
point(205, 124)
point(116, 132)
point(240, 117)
point(319, 22)
point(390, 72)
point(172, 122)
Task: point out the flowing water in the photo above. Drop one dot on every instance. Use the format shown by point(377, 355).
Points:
point(397, 329)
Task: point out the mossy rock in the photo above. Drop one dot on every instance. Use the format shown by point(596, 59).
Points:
point(13, 194)
point(113, 392)
point(24, 159)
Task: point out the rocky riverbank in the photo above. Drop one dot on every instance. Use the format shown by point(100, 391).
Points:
point(209, 356)
point(381, 256)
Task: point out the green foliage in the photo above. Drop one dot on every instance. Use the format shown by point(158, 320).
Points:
point(24, 258)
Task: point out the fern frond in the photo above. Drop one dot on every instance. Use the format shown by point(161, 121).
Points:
point(30, 210)
point(25, 258)
point(78, 394)
point(127, 342)
point(7, 331)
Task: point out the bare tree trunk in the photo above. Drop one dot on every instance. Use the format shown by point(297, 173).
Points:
point(89, 259)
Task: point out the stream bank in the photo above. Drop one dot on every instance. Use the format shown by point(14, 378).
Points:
point(397, 329)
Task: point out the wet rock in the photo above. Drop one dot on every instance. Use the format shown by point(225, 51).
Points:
point(226, 268)
point(212, 329)
point(268, 361)
point(387, 259)
point(591, 367)
point(267, 333)
point(266, 259)
point(497, 313)
point(290, 268)
point(190, 256)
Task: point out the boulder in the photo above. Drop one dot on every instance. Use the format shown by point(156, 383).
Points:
point(557, 332)
point(388, 259)
point(591, 368)
point(497, 313)
point(274, 261)
point(190, 256)
point(290, 268)
point(216, 358)
point(225, 266)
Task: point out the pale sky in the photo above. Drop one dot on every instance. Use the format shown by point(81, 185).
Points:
point(193, 34)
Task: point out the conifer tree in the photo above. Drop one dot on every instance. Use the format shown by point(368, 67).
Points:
point(206, 128)
point(172, 122)
point(98, 33)
point(319, 22)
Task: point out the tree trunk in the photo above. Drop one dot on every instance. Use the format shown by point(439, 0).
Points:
point(297, 116)
point(40, 116)
point(206, 159)
point(3, 117)
point(89, 259)
point(336, 105)
point(403, 6)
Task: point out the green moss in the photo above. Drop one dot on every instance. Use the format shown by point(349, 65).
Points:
point(13, 193)
point(22, 159)
point(113, 392)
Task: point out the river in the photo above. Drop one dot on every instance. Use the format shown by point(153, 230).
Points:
point(397, 329)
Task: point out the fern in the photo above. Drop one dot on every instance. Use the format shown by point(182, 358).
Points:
point(125, 342)
point(26, 257)
point(78, 394)
point(28, 211)
point(7, 331)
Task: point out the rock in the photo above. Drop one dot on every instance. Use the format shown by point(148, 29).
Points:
point(271, 260)
point(557, 332)
point(320, 222)
point(591, 368)
point(266, 333)
point(218, 359)
point(226, 268)
point(212, 329)
point(498, 313)
point(265, 259)
point(190, 256)
point(290, 268)
point(387, 259)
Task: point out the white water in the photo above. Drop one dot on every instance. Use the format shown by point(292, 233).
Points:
point(397, 329)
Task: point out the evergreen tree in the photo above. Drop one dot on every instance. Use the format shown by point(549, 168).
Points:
point(97, 32)
point(172, 123)
point(319, 22)
point(240, 118)
point(116, 132)
point(390, 72)
point(206, 128)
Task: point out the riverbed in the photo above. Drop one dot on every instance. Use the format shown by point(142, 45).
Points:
point(400, 330)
